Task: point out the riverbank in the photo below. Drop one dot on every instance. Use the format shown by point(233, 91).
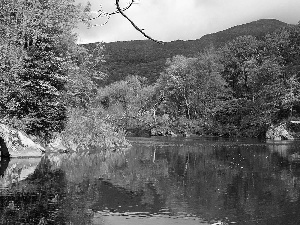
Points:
point(287, 130)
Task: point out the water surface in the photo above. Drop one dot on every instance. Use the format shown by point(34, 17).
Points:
point(158, 181)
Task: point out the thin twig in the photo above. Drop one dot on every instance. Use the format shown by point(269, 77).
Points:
point(124, 9)
point(108, 15)
point(133, 24)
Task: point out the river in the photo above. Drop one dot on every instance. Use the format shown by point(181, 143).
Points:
point(159, 181)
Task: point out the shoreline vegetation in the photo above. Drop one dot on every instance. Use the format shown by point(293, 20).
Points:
point(52, 87)
point(246, 88)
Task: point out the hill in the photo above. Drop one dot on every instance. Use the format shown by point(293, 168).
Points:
point(146, 58)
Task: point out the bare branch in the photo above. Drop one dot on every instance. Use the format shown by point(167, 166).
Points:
point(121, 11)
point(133, 24)
point(124, 9)
point(108, 15)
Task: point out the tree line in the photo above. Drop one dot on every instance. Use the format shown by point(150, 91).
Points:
point(239, 89)
point(50, 85)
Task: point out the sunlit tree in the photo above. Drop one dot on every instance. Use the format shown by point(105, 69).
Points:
point(192, 86)
point(39, 46)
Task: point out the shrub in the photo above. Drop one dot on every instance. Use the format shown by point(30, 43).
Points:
point(88, 129)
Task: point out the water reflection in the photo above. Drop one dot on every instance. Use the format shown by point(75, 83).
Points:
point(15, 170)
point(3, 165)
point(26, 191)
point(157, 181)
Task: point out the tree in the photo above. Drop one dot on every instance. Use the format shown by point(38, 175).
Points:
point(125, 100)
point(84, 77)
point(240, 58)
point(255, 77)
point(192, 86)
point(38, 37)
point(263, 77)
point(178, 85)
point(212, 87)
point(285, 45)
point(291, 97)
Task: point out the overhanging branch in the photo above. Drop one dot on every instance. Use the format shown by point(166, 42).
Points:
point(101, 13)
point(121, 11)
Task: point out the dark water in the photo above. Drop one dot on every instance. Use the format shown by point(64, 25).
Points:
point(158, 181)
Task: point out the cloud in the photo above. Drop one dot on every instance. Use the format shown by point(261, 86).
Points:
point(186, 19)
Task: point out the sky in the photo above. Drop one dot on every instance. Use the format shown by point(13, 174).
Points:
point(170, 20)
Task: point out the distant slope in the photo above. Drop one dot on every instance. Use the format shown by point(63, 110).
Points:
point(257, 28)
point(146, 58)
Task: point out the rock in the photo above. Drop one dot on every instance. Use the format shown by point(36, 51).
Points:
point(15, 143)
point(278, 133)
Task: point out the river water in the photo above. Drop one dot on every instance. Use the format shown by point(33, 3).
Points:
point(159, 181)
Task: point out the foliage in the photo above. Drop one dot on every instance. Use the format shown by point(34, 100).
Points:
point(178, 85)
point(90, 129)
point(291, 97)
point(125, 101)
point(264, 81)
point(239, 89)
point(241, 117)
point(81, 86)
point(146, 58)
point(246, 68)
point(49, 84)
point(285, 44)
point(38, 42)
point(192, 86)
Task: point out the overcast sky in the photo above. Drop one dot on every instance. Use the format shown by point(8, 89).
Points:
point(169, 20)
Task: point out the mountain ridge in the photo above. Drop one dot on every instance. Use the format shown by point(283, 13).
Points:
point(147, 58)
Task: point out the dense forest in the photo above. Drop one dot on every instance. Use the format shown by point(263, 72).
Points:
point(46, 78)
point(234, 87)
point(147, 59)
point(230, 83)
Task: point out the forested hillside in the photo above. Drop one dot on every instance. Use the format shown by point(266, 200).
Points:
point(236, 82)
point(239, 88)
point(147, 59)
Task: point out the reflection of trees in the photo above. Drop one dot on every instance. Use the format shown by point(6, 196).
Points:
point(82, 166)
point(3, 165)
point(241, 182)
point(61, 190)
point(16, 169)
point(29, 201)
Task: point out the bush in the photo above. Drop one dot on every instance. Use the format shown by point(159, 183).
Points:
point(88, 129)
point(241, 117)
point(184, 125)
